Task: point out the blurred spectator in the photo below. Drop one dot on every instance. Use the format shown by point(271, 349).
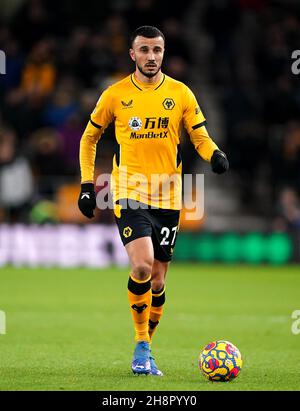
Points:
point(47, 161)
point(284, 151)
point(103, 59)
point(176, 45)
point(14, 62)
point(288, 209)
point(88, 99)
point(36, 15)
point(24, 104)
point(16, 181)
point(221, 20)
point(44, 211)
point(154, 12)
point(75, 56)
point(70, 134)
point(177, 67)
point(291, 154)
point(39, 73)
point(280, 104)
point(116, 31)
point(144, 12)
point(60, 109)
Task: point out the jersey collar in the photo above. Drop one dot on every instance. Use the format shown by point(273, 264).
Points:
point(143, 86)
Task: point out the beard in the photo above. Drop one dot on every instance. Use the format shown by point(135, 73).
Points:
point(147, 74)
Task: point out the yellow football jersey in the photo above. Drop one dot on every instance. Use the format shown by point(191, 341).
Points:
point(148, 123)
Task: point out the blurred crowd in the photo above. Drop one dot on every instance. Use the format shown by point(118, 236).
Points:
point(250, 65)
point(61, 55)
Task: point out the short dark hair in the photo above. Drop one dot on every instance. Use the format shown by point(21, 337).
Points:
point(150, 32)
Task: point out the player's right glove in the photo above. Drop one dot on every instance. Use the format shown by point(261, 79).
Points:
point(87, 200)
point(219, 162)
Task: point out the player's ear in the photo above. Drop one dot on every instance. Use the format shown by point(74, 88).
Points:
point(131, 53)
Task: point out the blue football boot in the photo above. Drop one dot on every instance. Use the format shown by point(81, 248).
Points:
point(154, 370)
point(141, 361)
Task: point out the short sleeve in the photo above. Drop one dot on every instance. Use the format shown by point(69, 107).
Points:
point(193, 117)
point(103, 113)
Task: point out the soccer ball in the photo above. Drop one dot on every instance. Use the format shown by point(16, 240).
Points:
point(220, 361)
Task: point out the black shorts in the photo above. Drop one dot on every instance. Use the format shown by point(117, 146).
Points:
point(143, 221)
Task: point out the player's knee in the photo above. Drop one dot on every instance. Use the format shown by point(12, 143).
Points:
point(157, 285)
point(142, 270)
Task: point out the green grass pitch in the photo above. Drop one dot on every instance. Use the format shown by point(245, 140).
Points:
point(70, 329)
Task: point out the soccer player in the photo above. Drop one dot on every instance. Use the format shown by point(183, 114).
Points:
point(148, 108)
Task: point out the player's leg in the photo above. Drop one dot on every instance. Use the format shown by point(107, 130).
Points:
point(165, 227)
point(135, 231)
point(158, 280)
point(164, 232)
point(141, 257)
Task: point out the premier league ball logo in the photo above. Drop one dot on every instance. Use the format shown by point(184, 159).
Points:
point(135, 123)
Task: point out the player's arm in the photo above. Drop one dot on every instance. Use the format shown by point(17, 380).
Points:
point(99, 120)
point(195, 123)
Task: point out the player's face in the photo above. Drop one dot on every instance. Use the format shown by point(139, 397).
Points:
point(148, 54)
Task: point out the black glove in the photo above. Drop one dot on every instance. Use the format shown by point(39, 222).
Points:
point(87, 200)
point(219, 162)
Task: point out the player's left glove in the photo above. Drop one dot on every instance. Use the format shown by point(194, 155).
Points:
point(219, 162)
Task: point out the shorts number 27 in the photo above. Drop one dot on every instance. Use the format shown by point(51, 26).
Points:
point(165, 231)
